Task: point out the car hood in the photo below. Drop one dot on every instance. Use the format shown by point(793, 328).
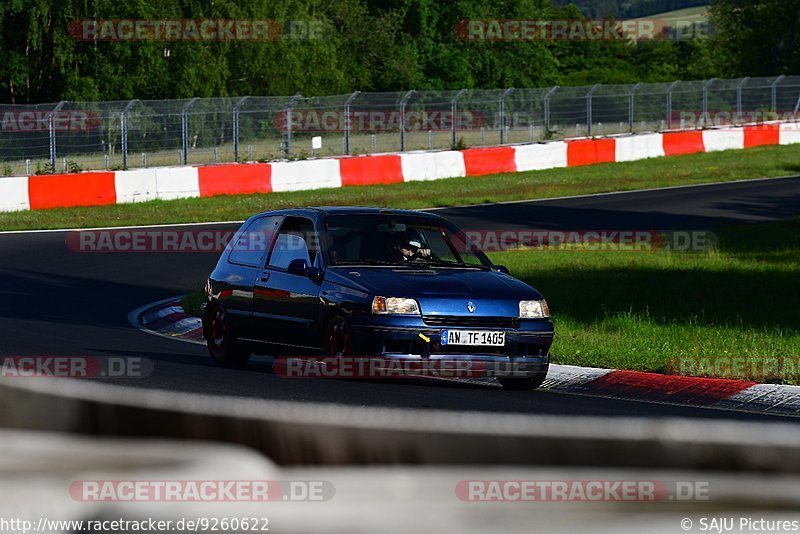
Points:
point(441, 290)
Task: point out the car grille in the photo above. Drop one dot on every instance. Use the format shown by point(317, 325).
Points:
point(471, 321)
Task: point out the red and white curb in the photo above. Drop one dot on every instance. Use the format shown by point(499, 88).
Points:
point(168, 318)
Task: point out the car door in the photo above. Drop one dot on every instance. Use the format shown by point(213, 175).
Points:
point(246, 259)
point(286, 305)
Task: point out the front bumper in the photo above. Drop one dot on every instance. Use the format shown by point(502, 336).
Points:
point(397, 339)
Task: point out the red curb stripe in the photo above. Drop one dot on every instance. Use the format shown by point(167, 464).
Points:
point(591, 152)
point(678, 143)
point(194, 335)
point(71, 190)
point(762, 135)
point(242, 179)
point(368, 170)
point(666, 388)
point(482, 161)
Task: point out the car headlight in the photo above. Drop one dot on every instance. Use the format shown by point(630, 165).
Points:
point(394, 305)
point(533, 309)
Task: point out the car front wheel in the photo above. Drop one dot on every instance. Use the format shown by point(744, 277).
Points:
point(337, 339)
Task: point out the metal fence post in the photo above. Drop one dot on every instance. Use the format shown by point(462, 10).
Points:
point(51, 126)
point(739, 95)
point(589, 108)
point(774, 91)
point(347, 121)
point(454, 111)
point(547, 107)
point(287, 135)
point(502, 110)
point(236, 109)
point(669, 103)
point(630, 105)
point(403, 102)
point(185, 130)
point(124, 132)
point(705, 98)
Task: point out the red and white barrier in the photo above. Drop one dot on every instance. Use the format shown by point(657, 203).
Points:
point(723, 139)
point(682, 143)
point(307, 174)
point(177, 182)
point(14, 194)
point(790, 133)
point(167, 183)
point(423, 166)
point(136, 186)
point(540, 156)
point(637, 147)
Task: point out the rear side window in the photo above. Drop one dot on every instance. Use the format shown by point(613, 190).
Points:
point(253, 243)
point(296, 240)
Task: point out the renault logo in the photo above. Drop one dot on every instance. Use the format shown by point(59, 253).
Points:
point(471, 307)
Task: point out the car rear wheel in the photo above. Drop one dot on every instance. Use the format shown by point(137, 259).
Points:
point(523, 384)
point(338, 337)
point(222, 346)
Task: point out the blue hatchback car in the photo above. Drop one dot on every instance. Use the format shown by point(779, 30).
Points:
point(402, 286)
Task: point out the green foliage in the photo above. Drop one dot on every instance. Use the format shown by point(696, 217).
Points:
point(757, 38)
point(74, 166)
point(367, 45)
point(46, 168)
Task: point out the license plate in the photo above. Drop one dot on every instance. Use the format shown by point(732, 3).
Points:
point(475, 338)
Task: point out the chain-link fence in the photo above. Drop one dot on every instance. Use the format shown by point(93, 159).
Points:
point(139, 133)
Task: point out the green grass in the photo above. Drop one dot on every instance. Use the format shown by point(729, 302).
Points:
point(657, 172)
point(676, 312)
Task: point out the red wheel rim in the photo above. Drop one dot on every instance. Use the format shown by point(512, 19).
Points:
point(338, 338)
point(219, 331)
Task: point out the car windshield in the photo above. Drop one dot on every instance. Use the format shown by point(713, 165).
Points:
point(383, 239)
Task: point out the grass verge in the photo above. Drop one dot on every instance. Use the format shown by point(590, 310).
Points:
point(729, 165)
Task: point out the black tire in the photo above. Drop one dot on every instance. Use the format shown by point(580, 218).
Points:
point(337, 337)
point(222, 346)
point(523, 384)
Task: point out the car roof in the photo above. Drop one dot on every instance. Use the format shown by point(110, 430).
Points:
point(346, 210)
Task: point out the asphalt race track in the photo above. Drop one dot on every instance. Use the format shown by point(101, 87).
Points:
point(57, 302)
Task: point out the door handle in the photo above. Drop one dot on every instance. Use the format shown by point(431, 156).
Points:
point(264, 277)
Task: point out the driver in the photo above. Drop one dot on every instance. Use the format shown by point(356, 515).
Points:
point(413, 250)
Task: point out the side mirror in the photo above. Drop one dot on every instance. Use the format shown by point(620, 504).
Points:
point(298, 266)
point(502, 269)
